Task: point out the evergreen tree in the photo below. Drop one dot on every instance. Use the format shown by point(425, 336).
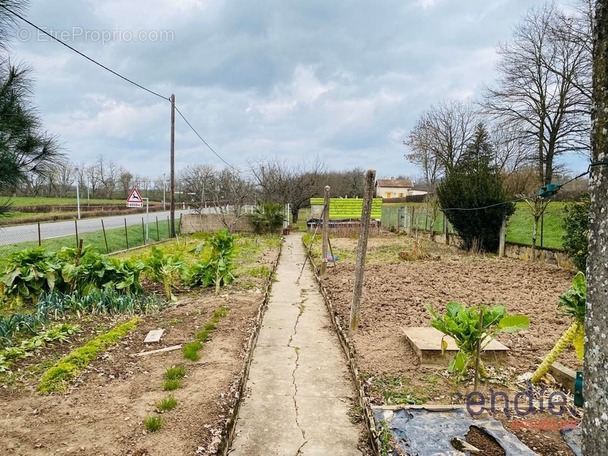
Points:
point(25, 148)
point(474, 184)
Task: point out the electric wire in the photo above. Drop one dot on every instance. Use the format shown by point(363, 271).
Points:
point(205, 142)
point(115, 73)
point(63, 43)
point(557, 187)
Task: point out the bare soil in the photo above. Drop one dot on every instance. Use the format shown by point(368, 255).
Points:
point(104, 410)
point(395, 294)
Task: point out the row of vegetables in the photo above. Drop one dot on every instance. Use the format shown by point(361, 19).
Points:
point(46, 285)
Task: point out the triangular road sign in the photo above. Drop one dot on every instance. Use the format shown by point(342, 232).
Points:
point(135, 197)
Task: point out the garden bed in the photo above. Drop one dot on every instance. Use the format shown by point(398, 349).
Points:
point(394, 297)
point(104, 408)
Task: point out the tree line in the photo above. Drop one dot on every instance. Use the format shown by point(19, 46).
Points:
point(537, 110)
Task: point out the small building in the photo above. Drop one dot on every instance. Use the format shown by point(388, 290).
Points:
point(394, 188)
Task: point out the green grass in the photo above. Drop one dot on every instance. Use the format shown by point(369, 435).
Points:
point(116, 239)
point(521, 224)
point(43, 201)
point(171, 385)
point(191, 350)
point(57, 378)
point(204, 335)
point(168, 403)
point(519, 227)
point(175, 373)
point(153, 423)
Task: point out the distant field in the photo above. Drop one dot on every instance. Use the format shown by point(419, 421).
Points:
point(40, 201)
point(519, 228)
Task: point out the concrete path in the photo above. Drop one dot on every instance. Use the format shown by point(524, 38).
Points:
point(300, 387)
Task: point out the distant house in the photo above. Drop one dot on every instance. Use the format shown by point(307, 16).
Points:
point(394, 188)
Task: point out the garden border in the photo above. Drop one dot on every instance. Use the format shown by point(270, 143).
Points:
point(350, 352)
point(241, 382)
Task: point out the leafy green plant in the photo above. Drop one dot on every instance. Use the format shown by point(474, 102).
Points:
point(164, 269)
point(153, 423)
point(573, 302)
point(267, 217)
point(27, 347)
point(56, 379)
point(166, 404)
point(576, 228)
point(471, 330)
point(217, 268)
point(30, 273)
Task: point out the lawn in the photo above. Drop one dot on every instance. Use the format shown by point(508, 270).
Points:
point(42, 201)
point(519, 227)
point(117, 240)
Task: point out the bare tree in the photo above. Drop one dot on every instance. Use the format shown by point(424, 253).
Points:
point(282, 183)
point(125, 182)
point(199, 181)
point(538, 96)
point(440, 137)
point(595, 418)
point(229, 193)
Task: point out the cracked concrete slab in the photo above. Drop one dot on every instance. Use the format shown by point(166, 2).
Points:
point(301, 391)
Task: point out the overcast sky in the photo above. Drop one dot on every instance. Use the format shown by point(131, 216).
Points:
point(341, 80)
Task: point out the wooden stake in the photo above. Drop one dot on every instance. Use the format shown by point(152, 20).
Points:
point(325, 230)
point(366, 214)
point(105, 237)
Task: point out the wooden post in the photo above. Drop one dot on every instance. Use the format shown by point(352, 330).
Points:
point(143, 230)
point(503, 239)
point(76, 230)
point(446, 231)
point(126, 233)
point(410, 220)
point(366, 214)
point(172, 171)
point(39, 235)
point(325, 230)
point(157, 230)
point(105, 238)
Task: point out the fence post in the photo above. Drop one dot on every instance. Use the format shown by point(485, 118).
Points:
point(76, 230)
point(446, 231)
point(366, 212)
point(410, 220)
point(502, 239)
point(39, 235)
point(143, 230)
point(105, 238)
point(168, 226)
point(126, 233)
point(157, 230)
point(325, 230)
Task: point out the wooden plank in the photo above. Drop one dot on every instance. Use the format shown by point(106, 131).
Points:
point(161, 350)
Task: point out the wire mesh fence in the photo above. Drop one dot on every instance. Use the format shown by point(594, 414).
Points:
point(106, 235)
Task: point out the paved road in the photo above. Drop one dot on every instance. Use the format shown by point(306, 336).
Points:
point(26, 233)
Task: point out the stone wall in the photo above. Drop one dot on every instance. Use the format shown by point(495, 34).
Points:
point(195, 223)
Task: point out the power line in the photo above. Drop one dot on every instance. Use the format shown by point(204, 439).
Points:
point(83, 55)
point(482, 207)
point(205, 142)
point(115, 73)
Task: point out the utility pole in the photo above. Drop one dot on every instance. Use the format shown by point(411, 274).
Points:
point(366, 215)
point(595, 418)
point(172, 172)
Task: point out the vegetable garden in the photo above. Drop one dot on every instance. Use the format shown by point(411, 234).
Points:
point(72, 327)
point(417, 283)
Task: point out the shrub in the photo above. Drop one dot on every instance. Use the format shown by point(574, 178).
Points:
point(576, 226)
point(472, 184)
point(267, 217)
